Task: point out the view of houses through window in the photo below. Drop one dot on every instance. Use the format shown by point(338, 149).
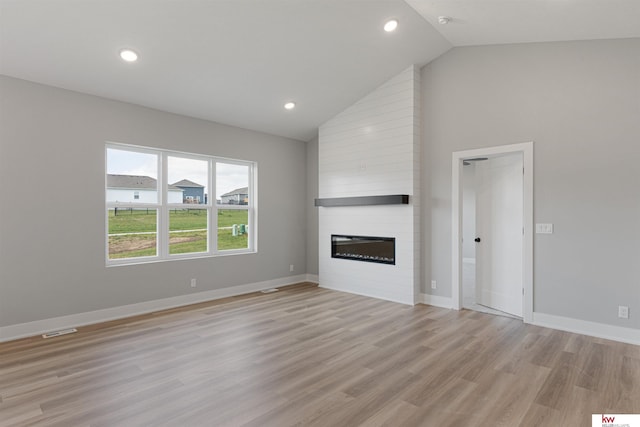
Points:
point(158, 204)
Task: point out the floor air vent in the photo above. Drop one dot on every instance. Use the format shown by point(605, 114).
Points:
point(58, 333)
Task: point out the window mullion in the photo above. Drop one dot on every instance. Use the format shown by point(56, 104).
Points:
point(163, 221)
point(251, 209)
point(213, 217)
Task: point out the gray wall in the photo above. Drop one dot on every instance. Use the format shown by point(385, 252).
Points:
point(312, 211)
point(52, 247)
point(580, 103)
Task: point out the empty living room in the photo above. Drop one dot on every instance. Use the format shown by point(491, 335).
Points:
point(319, 213)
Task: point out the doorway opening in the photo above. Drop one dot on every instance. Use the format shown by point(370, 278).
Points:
point(492, 233)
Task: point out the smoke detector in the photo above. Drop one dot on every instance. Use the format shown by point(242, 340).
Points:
point(444, 20)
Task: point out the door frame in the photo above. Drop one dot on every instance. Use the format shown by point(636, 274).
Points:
point(526, 148)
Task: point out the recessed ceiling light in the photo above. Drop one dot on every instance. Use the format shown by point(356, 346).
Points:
point(391, 25)
point(444, 20)
point(128, 55)
point(290, 105)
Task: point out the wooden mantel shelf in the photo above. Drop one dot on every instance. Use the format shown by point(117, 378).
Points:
point(389, 199)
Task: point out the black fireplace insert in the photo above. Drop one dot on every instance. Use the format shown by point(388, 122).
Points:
point(381, 250)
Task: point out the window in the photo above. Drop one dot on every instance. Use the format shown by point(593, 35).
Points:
point(232, 196)
point(158, 205)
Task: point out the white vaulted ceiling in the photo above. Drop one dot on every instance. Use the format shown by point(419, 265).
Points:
point(231, 61)
point(238, 61)
point(481, 22)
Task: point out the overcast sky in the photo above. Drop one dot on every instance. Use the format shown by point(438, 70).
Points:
point(228, 176)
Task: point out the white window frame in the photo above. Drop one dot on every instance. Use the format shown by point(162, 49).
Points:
point(162, 207)
point(250, 208)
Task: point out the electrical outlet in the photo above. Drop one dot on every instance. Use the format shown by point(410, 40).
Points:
point(434, 285)
point(544, 228)
point(193, 283)
point(623, 312)
point(290, 267)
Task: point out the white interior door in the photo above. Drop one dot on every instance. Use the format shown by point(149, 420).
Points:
point(499, 233)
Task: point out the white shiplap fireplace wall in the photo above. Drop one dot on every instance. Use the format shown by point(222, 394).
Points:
point(373, 148)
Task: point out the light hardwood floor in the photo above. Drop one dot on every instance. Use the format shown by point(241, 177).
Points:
point(313, 357)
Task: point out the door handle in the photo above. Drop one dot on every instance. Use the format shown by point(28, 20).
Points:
point(477, 240)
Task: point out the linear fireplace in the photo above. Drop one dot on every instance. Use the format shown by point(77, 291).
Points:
point(381, 250)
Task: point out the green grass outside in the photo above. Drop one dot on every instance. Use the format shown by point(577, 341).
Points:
point(134, 221)
point(143, 220)
point(196, 241)
point(228, 217)
point(193, 220)
point(135, 246)
point(188, 242)
point(227, 241)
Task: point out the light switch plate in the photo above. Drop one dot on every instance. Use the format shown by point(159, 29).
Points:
point(544, 228)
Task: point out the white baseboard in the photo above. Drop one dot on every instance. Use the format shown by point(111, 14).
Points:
point(29, 329)
point(22, 330)
point(584, 327)
point(436, 301)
